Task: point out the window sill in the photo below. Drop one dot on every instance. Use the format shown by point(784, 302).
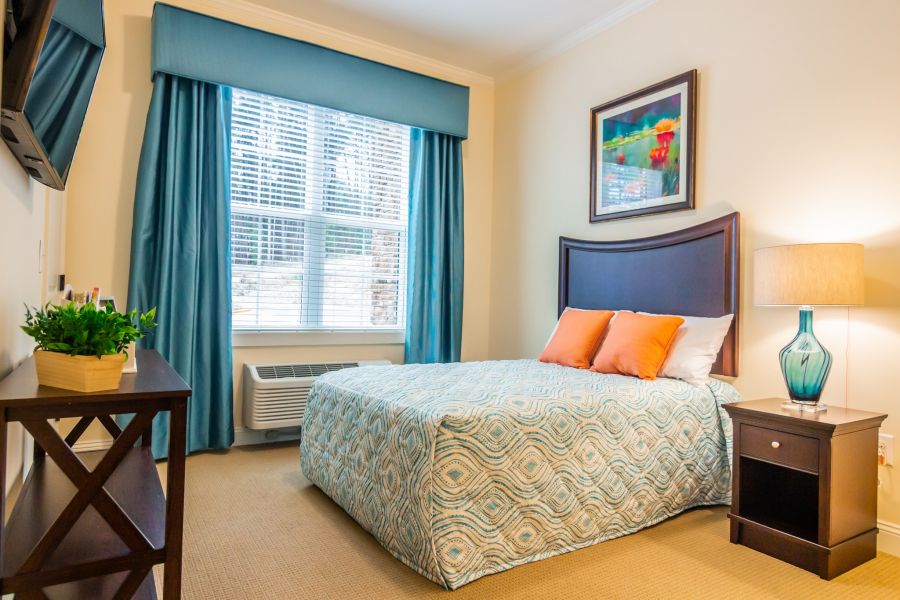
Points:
point(248, 339)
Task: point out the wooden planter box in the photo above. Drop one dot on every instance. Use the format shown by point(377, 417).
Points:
point(79, 373)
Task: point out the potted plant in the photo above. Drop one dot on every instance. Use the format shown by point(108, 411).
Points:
point(82, 348)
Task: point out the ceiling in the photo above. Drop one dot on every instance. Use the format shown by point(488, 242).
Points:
point(492, 37)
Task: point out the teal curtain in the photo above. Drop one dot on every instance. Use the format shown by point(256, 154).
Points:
point(435, 275)
point(60, 92)
point(84, 17)
point(180, 250)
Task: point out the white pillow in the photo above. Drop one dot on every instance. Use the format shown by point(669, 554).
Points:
point(695, 348)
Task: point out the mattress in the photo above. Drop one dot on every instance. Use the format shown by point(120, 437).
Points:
point(466, 469)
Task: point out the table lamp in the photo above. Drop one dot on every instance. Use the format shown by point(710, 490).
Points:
point(805, 275)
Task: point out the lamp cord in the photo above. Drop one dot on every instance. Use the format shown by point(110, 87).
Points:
point(847, 363)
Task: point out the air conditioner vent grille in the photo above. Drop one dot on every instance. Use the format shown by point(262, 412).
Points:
point(306, 370)
point(277, 405)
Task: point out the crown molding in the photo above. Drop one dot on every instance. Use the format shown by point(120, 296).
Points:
point(253, 15)
point(602, 23)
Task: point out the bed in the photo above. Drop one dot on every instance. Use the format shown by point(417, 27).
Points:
point(467, 469)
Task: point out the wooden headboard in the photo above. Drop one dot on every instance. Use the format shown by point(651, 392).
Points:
point(689, 272)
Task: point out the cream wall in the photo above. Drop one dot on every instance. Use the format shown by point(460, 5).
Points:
point(797, 120)
point(30, 243)
point(19, 233)
point(101, 188)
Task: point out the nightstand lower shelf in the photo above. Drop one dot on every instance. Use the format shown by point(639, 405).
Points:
point(91, 545)
point(779, 497)
point(101, 587)
point(827, 562)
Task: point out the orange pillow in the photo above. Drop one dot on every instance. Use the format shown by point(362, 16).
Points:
point(636, 344)
point(576, 338)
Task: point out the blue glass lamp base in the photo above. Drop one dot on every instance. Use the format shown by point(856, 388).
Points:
point(805, 363)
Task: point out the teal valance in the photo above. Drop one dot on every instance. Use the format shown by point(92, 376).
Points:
point(199, 47)
point(84, 17)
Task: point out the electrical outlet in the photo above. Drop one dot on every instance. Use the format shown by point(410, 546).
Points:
point(885, 449)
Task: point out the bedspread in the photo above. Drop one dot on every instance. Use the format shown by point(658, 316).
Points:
point(465, 469)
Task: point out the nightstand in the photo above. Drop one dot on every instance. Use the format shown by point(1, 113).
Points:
point(804, 485)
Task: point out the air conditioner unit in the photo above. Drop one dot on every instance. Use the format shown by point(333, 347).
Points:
point(275, 395)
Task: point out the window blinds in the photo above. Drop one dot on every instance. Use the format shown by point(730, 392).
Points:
point(319, 217)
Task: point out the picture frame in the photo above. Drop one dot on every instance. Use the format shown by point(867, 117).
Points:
point(643, 148)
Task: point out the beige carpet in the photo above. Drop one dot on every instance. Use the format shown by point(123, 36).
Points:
point(255, 528)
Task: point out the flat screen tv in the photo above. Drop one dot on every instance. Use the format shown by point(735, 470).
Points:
point(52, 51)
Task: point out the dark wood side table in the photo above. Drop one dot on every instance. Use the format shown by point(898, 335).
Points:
point(92, 525)
point(805, 484)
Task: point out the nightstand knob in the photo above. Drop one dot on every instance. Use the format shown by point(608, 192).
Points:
point(776, 444)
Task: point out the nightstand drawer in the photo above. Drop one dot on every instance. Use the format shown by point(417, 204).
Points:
point(779, 447)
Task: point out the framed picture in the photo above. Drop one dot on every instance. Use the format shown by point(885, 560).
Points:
point(642, 151)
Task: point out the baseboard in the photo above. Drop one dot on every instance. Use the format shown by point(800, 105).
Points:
point(889, 537)
point(242, 437)
point(92, 445)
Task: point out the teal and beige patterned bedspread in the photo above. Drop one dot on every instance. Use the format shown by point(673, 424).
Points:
point(466, 469)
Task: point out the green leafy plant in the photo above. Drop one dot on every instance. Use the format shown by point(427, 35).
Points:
point(86, 330)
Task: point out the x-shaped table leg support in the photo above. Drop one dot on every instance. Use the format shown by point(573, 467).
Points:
point(90, 488)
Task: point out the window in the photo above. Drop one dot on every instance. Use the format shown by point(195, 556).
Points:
point(318, 217)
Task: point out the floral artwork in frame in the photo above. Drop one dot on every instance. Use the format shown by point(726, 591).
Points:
point(642, 151)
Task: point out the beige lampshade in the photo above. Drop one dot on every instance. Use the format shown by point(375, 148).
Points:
point(814, 274)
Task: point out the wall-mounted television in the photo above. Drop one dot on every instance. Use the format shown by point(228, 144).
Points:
point(52, 52)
